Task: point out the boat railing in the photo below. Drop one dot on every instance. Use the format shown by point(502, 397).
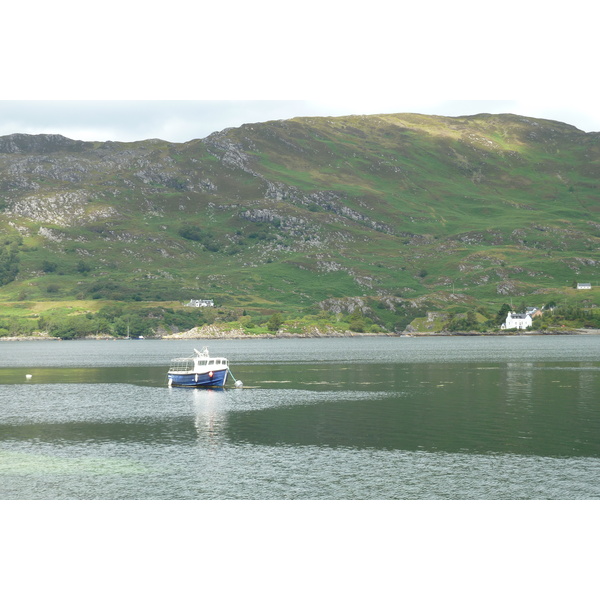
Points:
point(182, 364)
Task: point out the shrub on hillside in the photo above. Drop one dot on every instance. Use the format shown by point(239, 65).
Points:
point(194, 233)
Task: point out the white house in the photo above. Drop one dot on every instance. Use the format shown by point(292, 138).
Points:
point(517, 321)
point(584, 286)
point(200, 303)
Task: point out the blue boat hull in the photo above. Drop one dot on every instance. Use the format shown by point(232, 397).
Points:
point(217, 379)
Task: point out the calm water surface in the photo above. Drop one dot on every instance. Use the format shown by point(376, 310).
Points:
point(363, 418)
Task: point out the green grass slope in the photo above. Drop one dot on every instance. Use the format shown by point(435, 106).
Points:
point(406, 212)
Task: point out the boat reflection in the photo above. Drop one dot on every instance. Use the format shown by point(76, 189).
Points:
point(210, 409)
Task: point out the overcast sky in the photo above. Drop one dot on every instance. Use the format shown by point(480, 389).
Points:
point(129, 70)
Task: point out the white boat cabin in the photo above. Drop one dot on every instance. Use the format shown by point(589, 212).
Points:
point(199, 363)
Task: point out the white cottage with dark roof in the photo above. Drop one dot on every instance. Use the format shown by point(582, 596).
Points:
point(517, 321)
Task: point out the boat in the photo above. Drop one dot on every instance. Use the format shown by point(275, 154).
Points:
point(199, 370)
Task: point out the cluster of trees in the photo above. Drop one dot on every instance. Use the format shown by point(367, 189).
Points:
point(355, 321)
point(467, 322)
point(568, 316)
point(9, 259)
point(110, 321)
point(359, 323)
point(476, 320)
point(122, 320)
point(553, 316)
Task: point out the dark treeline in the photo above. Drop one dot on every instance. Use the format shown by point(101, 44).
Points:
point(155, 321)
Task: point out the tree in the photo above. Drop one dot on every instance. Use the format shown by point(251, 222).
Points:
point(471, 320)
point(9, 261)
point(463, 322)
point(275, 322)
point(357, 321)
point(501, 316)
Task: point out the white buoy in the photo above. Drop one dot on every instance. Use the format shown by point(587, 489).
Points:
point(29, 376)
point(239, 384)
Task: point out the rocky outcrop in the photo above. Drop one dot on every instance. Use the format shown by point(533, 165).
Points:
point(66, 208)
point(20, 143)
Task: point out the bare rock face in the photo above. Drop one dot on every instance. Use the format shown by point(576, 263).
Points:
point(344, 305)
point(21, 143)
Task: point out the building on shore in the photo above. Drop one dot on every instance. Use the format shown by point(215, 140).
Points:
point(517, 321)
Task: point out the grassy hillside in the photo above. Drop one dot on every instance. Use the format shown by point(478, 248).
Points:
point(397, 214)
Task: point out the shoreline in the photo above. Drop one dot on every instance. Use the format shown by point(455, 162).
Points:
point(238, 336)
